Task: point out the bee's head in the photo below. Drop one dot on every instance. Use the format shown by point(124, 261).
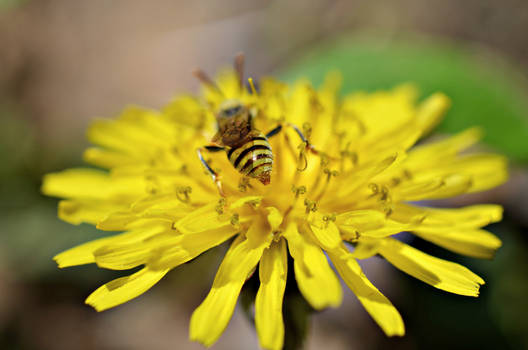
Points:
point(234, 121)
point(230, 108)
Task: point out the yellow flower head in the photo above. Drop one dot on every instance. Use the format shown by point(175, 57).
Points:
point(335, 179)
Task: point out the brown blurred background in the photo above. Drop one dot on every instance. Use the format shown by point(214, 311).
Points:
point(64, 62)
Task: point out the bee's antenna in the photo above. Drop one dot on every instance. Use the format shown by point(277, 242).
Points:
point(239, 68)
point(206, 80)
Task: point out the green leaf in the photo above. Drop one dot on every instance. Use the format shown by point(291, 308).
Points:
point(484, 90)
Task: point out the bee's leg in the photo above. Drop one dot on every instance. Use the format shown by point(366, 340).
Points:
point(278, 129)
point(274, 131)
point(214, 174)
point(309, 146)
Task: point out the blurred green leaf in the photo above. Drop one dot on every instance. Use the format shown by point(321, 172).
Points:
point(9, 4)
point(484, 90)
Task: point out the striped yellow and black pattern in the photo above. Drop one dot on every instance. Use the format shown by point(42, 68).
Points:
point(253, 158)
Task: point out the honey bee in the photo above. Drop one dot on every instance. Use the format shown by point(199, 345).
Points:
point(247, 148)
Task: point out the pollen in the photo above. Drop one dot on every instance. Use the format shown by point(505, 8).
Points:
point(326, 170)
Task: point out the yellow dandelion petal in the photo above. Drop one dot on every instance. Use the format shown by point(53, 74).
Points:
point(211, 317)
point(80, 255)
point(471, 242)
point(186, 247)
point(123, 289)
point(370, 223)
point(442, 274)
point(273, 268)
point(84, 253)
point(315, 279)
point(376, 304)
point(78, 211)
point(431, 111)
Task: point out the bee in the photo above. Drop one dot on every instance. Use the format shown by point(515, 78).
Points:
point(247, 148)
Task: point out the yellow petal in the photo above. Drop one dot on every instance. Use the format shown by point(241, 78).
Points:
point(325, 232)
point(85, 211)
point(423, 156)
point(107, 159)
point(123, 289)
point(118, 136)
point(87, 183)
point(268, 303)
point(137, 131)
point(486, 170)
point(442, 274)
point(187, 111)
point(398, 140)
point(127, 255)
point(212, 316)
point(359, 177)
point(365, 248)
point(372, 110)
point(477, 172)
point(431, 111)
point(202, 219)
point(183, 248)
point(370, 223)
point(433, 188)
point(91, 184)
point(274, 218)
point(468, 217)
point(315, 279)
point(376, 304)
point(80, 255)
point(453, 229)
point(254, 200)
point(471, 242)
point(84, 253)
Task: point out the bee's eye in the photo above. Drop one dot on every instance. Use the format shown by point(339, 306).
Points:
point(230, 112)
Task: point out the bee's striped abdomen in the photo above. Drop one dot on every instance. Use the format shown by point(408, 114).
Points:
point(253, 158)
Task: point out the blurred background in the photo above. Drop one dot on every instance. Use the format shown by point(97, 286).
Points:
point(64, 62)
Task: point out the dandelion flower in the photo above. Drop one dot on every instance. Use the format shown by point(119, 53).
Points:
point(339, 196)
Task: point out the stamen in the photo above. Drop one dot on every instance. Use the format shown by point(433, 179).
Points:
point(317, 107)
point(407, 174)
point(243, 184)
point(346, 154)
point(220, 206)
point(311, 206)
point(235, 220)
point(324, 160)
point(255, 203)
point(182, 193)
point(385, 197)
point(152, 186)
point(374, 188)
point(252, 86)
point(329, 174)
point(357, 235)
point(302, 164)
point(184, 169)
point(307, 130)
point(151, 189)
point(395, 181)
point(298, 190)
point(174, 228)
point(331, 217)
